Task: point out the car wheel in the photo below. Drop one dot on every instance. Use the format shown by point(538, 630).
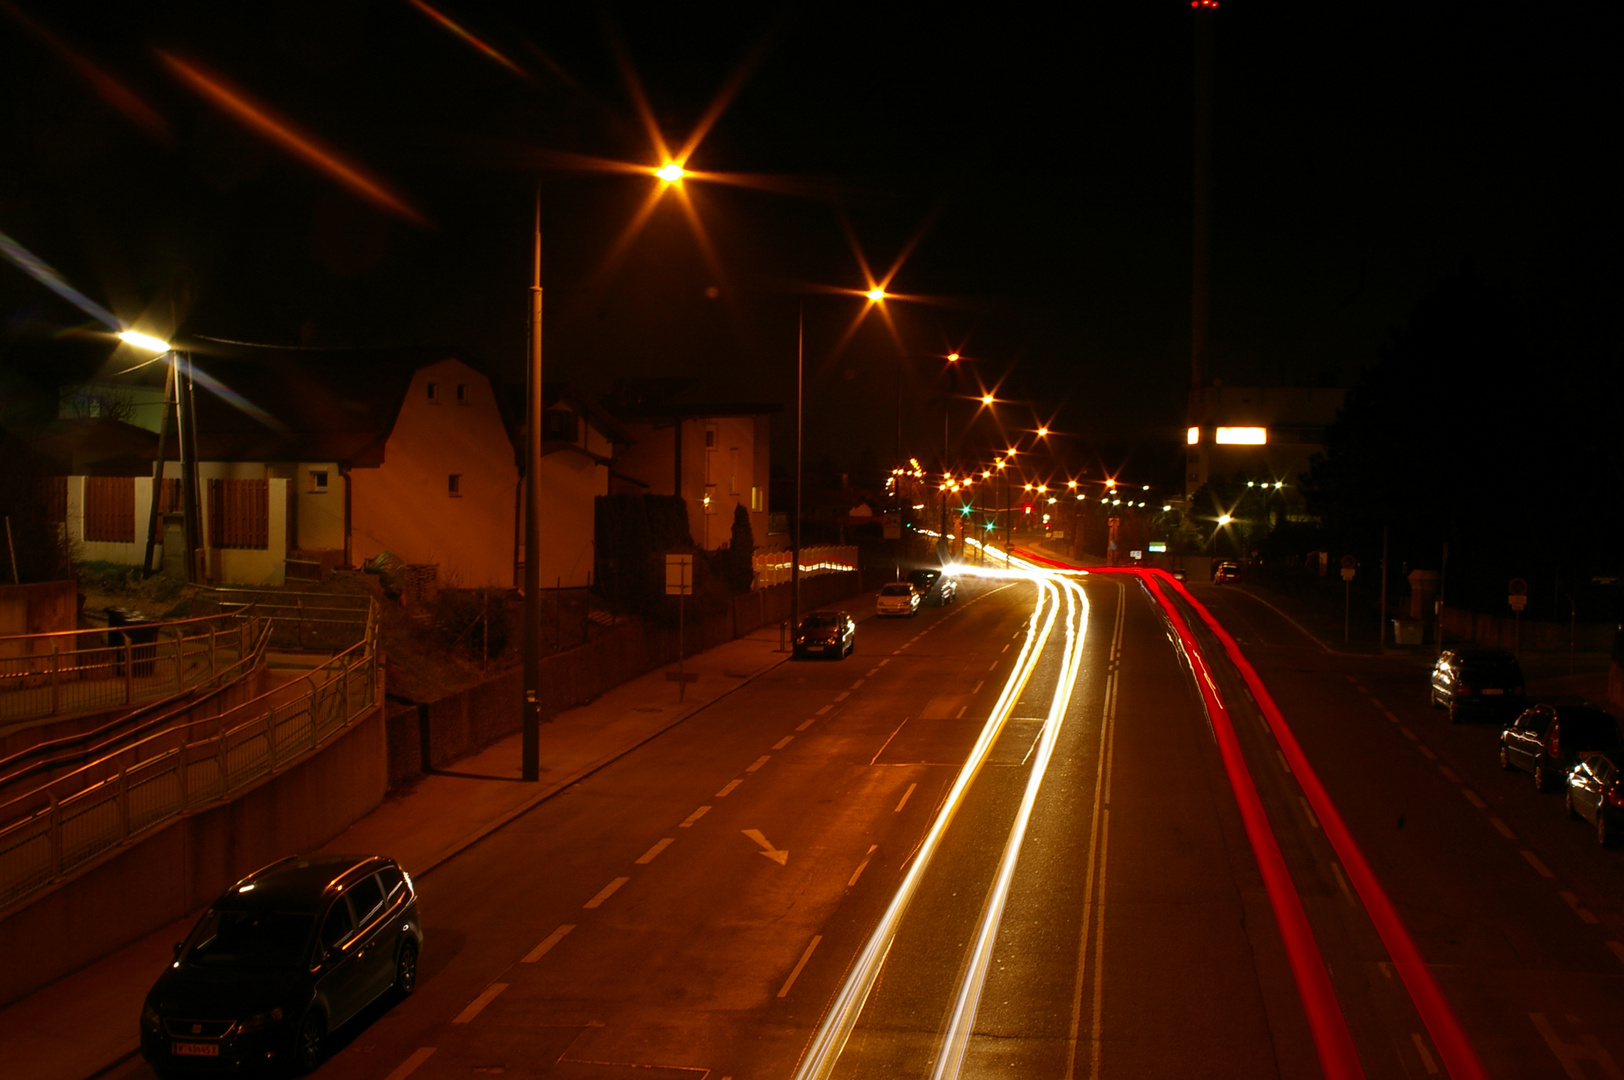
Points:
point(1505, 758)
point(1573, 811)
point(1542, 779)
point(406, 969)
point(307, 1044)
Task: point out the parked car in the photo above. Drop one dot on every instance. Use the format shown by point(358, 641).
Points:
point(897, 598)
point(1547, 740)
point(289, 953)
point(826, 633)
point(1596, 795)
point(1471, 681)
point(934, 586)
point(1226, 571)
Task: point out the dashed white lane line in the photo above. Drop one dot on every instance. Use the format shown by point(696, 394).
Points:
point(1471, 797)
point(976, 689)
point(1283, 764)
point(1618, 949)
point(1408, 734)
point(1391, 716)
point(1502, 828)
point(1378, 704)
point(728, 788)
point(1579, 909)
point(871, 673)
point(407, 1067)
point(688, 822)
point(804, 724)
point(796, 973)
point(825, 709)
point(882, 663)
point(872, 848)
point(476, 1006)
point(1427, 753)
point(1449, 774)
point(785, 741)
point(1427, 1062)
point(648, 856)
point(606, 892)
point(758, 763)
point(856, 684)
point(547, 944)
point(1539, 867)
point(960, 714)
point(1342, 883)
point(843, 695)
point(993, 666)
point(1308, 812)
point(905, 796)
point(1005, 649)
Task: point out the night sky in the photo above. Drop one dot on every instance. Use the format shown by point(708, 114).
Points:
point(1036, 173)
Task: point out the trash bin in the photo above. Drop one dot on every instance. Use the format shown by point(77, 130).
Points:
point(140, 633)
point(1407, 631)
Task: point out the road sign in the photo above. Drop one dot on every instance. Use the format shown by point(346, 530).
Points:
point(892, 524)
point(1347, 574)
point(1518, 601)
point(1517, 587)
point(679, 575)
point(1156, 547)
point(1349, 562)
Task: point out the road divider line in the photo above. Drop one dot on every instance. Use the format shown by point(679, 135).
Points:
point(606, 892)
point(547, 944)
point(1503, 829)
point(1472, 797)
point(871, 673)
point(1391, 716)
point(906, 795)
point(825, 709)
point(1427, 753)
point(477, 1006)
point(649, 855)
point(882, 663)
point(976, 689)
point(1376, 703)
point(409, 1066)
point(1533, 860)
point(960, 714)
point(796, 973)
point(1584, 913)
point(758, 763)
point(856, 684)
point(688, 822)
point(785, 741)
point(1342, 883)
point(1618, 949)
point(804, 724)
point(1308, 812)
point(1408, 734)
point(862, 865)
point(1449, 774)
point(728, 788)
point(843, 695)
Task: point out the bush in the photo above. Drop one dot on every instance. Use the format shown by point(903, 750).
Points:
point(471, 621)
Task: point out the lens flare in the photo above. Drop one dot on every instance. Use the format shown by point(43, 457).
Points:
point(36, 268)
point(480, 46)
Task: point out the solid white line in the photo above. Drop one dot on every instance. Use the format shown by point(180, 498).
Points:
point(476, 1006)
point(905, 797)
point(547, 944)
point(648, 856)
point(785, 741)
point(804, 724)
point(688, 822)
point(758, 763)
point(728, 788)
point(793, 975)
point(862, 865)
point(407, 1067)
point(606, 892)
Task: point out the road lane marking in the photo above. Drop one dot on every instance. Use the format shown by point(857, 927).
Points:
point(606, 892)
point(688, 822)
point(1449, 774)
point(476, 1006)
point(728, 788)
point(1391, 716)
point(825, 709)
point(1375, 702)
point(1282, 758)
point(648, 856)
point(796, 973)
point(856, 684)
point(1342, 883)
point(1005, 649)
point(1354, 679)
point(1503, 828)
point(1426, 1056)
point(1618, 949)
point(872, 672)
point(777, 855)
point(905, 796)
point(758, 763)
point(1570, 1054)
point(407, 1067)
point(1579, 909)
point(882, 663)
point(976, 689)
point(1533, 860)
point(1427, 753)
point(1308, 812)
point(1471, 797)
point(960, 714)
point(1408, 734)
point(785, 741)
point(804, 724)
point(842, 695)
point(872, 848)
point(547, 944)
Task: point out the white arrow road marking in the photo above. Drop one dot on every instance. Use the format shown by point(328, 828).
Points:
point(777, 856)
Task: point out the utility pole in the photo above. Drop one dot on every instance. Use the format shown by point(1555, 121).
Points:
point(530, 738)
point(795, 544)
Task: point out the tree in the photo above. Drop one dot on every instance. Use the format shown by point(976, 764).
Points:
point(741, 548)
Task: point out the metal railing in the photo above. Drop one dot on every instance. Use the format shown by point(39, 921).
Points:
point(62, 826)
point(299, 620)
point(76, 671)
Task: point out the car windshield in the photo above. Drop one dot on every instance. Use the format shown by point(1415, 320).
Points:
point(927, 578)
point(814, 622)
point(1491, 673)
point(896, 590)
point(254, 939)
point(1587, 729)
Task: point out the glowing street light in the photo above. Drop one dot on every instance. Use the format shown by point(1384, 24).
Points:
point(952, 357)
point(875, 294)
point(143, 341)
point(987, 399)
point(1224, 519)
point(671, 172)
point(1043, 433)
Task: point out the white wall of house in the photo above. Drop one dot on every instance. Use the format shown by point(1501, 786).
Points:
point(318, 498)
point(569, 484)
point(127, 553)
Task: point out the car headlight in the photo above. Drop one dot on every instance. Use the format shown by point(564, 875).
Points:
point(259, 1020)
point(150, 1019)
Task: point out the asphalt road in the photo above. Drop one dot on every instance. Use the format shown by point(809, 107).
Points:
point(699, 908)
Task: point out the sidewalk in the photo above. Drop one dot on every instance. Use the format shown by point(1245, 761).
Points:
point(85, 1024)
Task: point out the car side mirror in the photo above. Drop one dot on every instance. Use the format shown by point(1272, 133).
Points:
point(174, 950)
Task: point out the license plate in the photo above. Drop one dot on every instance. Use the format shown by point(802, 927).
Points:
point(186, 1049)
point(1494, 690)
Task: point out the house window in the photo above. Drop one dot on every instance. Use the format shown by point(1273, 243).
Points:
point(169, 496)
point(240, 513)
point(560, 425)
point(462, 393)
point(110, 509)
point(434, 392)
point(318, 481)
point(710, 436)
point(453, 485)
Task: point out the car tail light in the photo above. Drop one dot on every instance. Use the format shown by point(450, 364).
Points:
point(1553, 745)
point(1615, 795)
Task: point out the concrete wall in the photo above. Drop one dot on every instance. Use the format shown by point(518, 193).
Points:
point(183, 866)
point(41, 607)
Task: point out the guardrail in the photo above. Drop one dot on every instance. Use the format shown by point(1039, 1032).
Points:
point(75, 671)
point(773, 567)
point(300, 620)
point(62, 826)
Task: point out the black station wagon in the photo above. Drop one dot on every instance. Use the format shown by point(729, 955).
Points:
point(288, 954)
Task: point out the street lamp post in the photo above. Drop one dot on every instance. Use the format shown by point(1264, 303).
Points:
point(530, 738)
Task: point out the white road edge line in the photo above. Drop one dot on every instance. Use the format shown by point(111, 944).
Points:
point(796, 973)
point(476, 1006)
point(547, 944)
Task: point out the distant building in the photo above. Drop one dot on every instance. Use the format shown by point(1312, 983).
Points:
point(1262, 433)
point(712, 454)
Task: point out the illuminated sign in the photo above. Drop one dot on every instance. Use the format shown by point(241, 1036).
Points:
point(1156, 547)
point(1243, 436)
point(1193, 436)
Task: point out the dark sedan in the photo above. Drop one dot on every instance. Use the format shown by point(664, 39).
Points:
point(1547, 740)
point(288, 954)
point(1471, 681)
point(1596, 795)
point(826, 633)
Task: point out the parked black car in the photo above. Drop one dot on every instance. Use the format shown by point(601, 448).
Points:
point(1471, 681)
point(1547, 740)
point(826, 633)
point(288, 954)
point(1596, 795)
point(934, 586)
